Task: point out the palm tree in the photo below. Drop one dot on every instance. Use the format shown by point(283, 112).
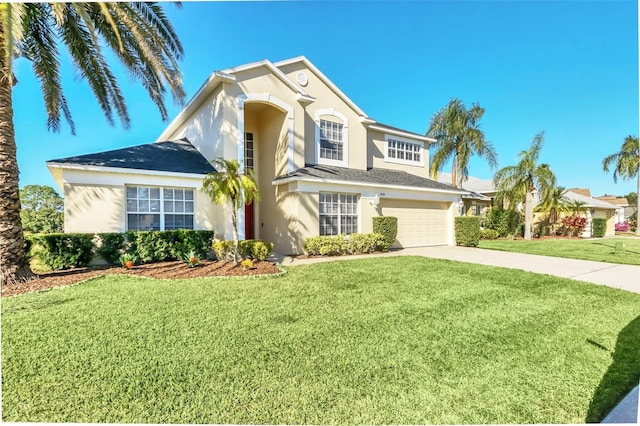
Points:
point(458, 135)
point(140, 36)
point(516, 184)
point(229, 184)
point(627, 164)
point(553, 201)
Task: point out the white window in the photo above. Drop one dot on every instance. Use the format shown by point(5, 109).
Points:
point(158, 209)
point(248, 150)
point(403, 151)
point(338, 213)
point(331, 144)
point(332, 138)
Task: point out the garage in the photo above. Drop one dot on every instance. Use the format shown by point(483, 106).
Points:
point(420, 223)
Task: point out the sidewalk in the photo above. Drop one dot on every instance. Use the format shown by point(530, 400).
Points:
point(624, 277)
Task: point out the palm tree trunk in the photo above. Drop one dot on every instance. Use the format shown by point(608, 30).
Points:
point(234, 222)
point(454, 172)
point(528, 214)
point(14, 265)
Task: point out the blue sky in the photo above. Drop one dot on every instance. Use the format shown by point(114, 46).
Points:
point(568, 68)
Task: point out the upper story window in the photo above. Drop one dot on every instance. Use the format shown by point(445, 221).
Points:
point(159, 209)
point(331, 145)
point(403, 151)
point(332, 138)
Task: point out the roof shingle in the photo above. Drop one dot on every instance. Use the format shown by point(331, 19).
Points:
point(168, 156)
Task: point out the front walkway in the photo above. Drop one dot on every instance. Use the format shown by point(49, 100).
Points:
point(625, 277)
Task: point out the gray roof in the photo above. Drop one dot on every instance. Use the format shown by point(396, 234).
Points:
point(372, 176)
point(472, 183)
point(589, 201)
point(168, 156)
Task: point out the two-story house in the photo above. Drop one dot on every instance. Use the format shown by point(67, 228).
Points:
point(322, 165)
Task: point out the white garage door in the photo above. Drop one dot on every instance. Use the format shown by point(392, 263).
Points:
point(420, 223)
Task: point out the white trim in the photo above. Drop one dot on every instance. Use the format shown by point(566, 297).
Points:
point(361, 184)
point(401, 133)
point(388, 159)
point(275, 70)
point(345, 137)
point(122, 170)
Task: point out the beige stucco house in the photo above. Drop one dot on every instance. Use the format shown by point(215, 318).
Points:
point(323, 166)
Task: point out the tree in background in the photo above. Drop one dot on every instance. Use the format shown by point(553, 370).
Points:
point(138, 34)
point(458, 135)
point(553, 202)
point(516, 184)
point(626, 164)
point(229, 185)
point(42, 209)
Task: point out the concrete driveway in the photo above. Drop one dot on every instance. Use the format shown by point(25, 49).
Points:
point(625, 277)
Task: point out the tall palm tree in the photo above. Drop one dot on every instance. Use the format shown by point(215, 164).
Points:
point(627, 164)
point(229, 185)
point(516, 184)
point(458, 135)
point(140, 36)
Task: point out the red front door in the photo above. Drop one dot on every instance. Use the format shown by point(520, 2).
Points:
point(249, 230)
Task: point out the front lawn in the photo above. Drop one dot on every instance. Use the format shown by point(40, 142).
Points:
point(600, 250)
point(381, 340)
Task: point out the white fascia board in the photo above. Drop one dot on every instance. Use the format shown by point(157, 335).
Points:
point(365, 120)
point(365, 184)
point(122, 170)
point(401, 133)
point(216, 78)
point(305, 99)
point(326, 81)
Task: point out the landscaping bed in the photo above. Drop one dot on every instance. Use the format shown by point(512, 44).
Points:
point(166, 270)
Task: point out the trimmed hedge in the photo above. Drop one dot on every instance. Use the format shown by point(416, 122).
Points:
point(598, 227)
point(387, 226)
point(112, 246)
point(64, 251)
point(344, 244)
point(247, 249)
point(467, 229)
point(506, 222)
point(158, 246)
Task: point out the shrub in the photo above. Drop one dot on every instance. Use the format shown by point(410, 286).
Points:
point(488, 234)
point(223, 249)
point(387, 226)
point(191, 259)
point(574, 225)
point(261, 250)
point(467, 230)
point(598, 227)
point(247, 249)
point(111, 246)
point(128, 260)
point(344, 244)
point(623, 227)
point(506, 222)
point(63, 251)
point(157, 246)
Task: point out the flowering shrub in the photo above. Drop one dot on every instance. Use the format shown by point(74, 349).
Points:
point(128, 260)
point(623, 227)
point(247, 264)
point(574, 225)
point(191, 259)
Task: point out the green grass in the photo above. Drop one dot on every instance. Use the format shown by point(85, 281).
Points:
point(600, 250)
point(380, 340)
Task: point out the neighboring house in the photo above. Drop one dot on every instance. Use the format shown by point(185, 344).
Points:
point(622, 211)
point(593, 208)
point(322, 165)
point(480, 193)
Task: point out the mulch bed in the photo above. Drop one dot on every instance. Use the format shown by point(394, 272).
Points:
point(161, 270)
